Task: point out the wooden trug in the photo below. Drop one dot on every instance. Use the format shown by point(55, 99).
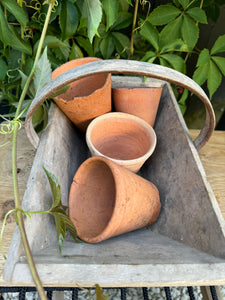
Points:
point(185, 245)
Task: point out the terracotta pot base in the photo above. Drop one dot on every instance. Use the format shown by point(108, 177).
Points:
point(141, 102)
point(107, 200)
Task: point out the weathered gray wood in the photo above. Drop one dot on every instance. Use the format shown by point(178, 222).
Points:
point(60, 154)
point(190, 212)
point(180, 248)
point(127, 67)
point(140, 258)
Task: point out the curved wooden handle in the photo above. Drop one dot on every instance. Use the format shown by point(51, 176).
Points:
point(123, 67)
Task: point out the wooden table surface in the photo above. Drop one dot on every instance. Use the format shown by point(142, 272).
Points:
point(212, 156)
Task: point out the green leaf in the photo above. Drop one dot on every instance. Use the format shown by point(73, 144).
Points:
point(107, 46)
point(85, 44)
point(121, 42)
point(99, 293)
point(190, 32)
point(220, 61)
point(184, 3)
point(19, 13)
point(177, 45)
point(60, 91)
point(51, 42)
point(124, 19)
point(149, 56)
point(62, 52)
point(201, 73)
point(75, 52)
point(214, 78)
point(219, 45)
point(38, 116)
point(163, 62)
point(3, 69)
point(182, 102)
point(43, 72)
point(63, 223)
point(31, 89)
point(129, 2)
point(92, 10)
point(151, 34)
point(163, 14)
point(60, 229)
point(204, 58)
point(111, 11)
point(68, 19)
point(55, 188)
point(175, 61)
point(170, 32)
point(197, 14)
point(69, 226)
point(9, 36)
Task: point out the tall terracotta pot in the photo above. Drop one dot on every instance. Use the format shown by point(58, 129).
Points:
point(86, 98)
point(126, 139)
point(141, 102)
point(107, 200)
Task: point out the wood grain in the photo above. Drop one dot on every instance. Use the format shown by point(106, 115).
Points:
point(25, 159)
point(212, 157)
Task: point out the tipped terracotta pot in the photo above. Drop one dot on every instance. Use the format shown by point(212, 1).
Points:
point(141, 102)
point(86, 98)
point(106, 200)
point(126, 139)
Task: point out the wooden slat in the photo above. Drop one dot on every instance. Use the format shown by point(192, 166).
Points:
point(213, 159)
point(212, 156)
point(25, 159)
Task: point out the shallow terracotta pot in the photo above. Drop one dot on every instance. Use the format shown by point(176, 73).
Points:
point(141, 102)
point(86, 98)
point(126, 139)
point(106, 200)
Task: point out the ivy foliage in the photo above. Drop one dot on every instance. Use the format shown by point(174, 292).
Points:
point(166, 34)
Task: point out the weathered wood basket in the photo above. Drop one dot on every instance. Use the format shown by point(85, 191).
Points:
point(187, 243)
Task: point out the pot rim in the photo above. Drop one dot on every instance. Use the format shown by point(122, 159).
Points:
point(123, 162)
point(90, 60)
point(116, 214)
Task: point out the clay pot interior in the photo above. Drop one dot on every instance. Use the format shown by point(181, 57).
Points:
point(86, 98)
point(82, 87)
point(95, 199)
point(121, 137)
point(107, 200)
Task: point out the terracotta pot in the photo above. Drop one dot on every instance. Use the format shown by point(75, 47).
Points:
point(126, 139)
point(141, 102)
point(107, 200)
point(86, 98)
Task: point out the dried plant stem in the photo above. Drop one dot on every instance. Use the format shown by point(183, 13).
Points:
point(131, 51)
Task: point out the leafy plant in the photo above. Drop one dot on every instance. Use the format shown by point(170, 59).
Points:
point(58, 211)
point(166, 35)
point(68, 29)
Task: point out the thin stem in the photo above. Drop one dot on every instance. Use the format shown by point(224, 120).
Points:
point(131, 51)
point(27, 249)
point(39, 212)
point(25, 89)
point(22, 33)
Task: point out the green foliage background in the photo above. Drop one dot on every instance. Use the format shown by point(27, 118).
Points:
point(165, 34)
